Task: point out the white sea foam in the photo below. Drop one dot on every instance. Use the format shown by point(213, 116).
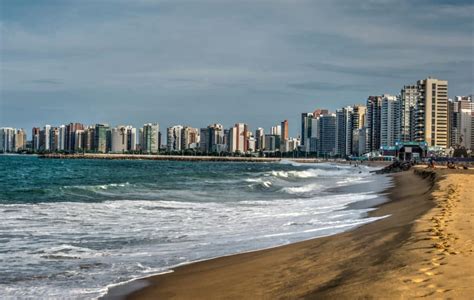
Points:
point(78, 249)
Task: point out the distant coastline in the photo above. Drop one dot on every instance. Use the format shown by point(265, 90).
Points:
point(110, 156)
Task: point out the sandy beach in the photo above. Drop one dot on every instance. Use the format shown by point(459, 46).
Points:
point(423, 249)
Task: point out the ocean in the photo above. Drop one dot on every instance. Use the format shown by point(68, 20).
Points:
point(73, 228)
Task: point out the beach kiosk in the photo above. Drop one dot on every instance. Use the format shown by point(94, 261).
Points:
point(411, 150)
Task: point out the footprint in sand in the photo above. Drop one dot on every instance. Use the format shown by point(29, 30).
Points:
point(425, 269)
point(419, 280)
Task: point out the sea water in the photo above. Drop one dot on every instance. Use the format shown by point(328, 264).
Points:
point(73, 228)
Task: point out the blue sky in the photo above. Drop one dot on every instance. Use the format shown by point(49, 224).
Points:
point(199, 62)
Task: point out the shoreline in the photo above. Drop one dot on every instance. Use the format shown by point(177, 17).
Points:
point(126, 290)
point(372, 257)
point(110, 156)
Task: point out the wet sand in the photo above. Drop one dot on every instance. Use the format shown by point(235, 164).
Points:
point(423, 249)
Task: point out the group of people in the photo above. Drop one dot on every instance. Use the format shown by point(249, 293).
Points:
point(450, 164)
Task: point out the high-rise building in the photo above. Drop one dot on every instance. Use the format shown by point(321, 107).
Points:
point(174, 135)
point(259, 139)
point(44, 139)
point(88, 138)
point(408, 98)
point(314, 138)
point(284, 130)
point(374, 109)
point(344, 131)
point(389, 121)
point(212, 139)
point(292, 145)
point(79, 138)
point(306, 130)
point(251, 144)
point(360, 141)
point(431, 120)
point(54, 139)
point(7, 139)
point(119, 139)
point(100, 138)
point(307, 133)
point(272, 142)
point(151, 138)
point(461, 121)
point(239, 138)
point(131, 138)
point(35, 138)
point(70, 143)
point(327, 135)
point(19, 140)
point(189, 138)
point(358, 123)
point(276, 130)
point(62, 138)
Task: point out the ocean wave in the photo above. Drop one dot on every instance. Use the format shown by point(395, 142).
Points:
point(302, 189)
point(66, 251)
point(96, 187)
point(259, 182)
point(311, 173)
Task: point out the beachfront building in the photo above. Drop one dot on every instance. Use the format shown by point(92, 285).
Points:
point(212, 139)
point(431, 113)
point(308, 138)
point(100, 138)
point(238, 138)
point(389, 121)
point(119, 139)
point(35, 133)
point(19, 140)
point(79, 136)
point(150, 138)
point(306, 130)
point(272, 143)
point(461, 121)
point(284, 130)
point(259, 139)
point(344, 131)
point(61, 137)
point(408, 98)
point(189, 138)
point(44, 138)
point(360, 141)
point(251, 144)
point(327, 135)
point(314, 139)
point(173, 138)
point(374, 107)
point(7, 139)
point(276, 130)
point(289, 145)
point(131, 138)
point(70, 143)
point(358, 133)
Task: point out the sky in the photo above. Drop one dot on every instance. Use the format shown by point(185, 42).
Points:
point(198, 62)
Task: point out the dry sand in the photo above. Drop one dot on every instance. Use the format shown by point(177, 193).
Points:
point(424, 249)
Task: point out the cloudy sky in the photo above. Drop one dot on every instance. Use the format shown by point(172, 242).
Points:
point(195, 62)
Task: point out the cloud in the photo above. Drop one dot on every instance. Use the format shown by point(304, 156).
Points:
point(223, 60)
point(326, 86)
point(46, 81)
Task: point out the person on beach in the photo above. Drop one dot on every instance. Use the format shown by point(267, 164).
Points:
point(431, 164)
point(451, 165)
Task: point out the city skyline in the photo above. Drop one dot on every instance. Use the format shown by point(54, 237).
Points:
point(421, 114)
point(251, 62)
